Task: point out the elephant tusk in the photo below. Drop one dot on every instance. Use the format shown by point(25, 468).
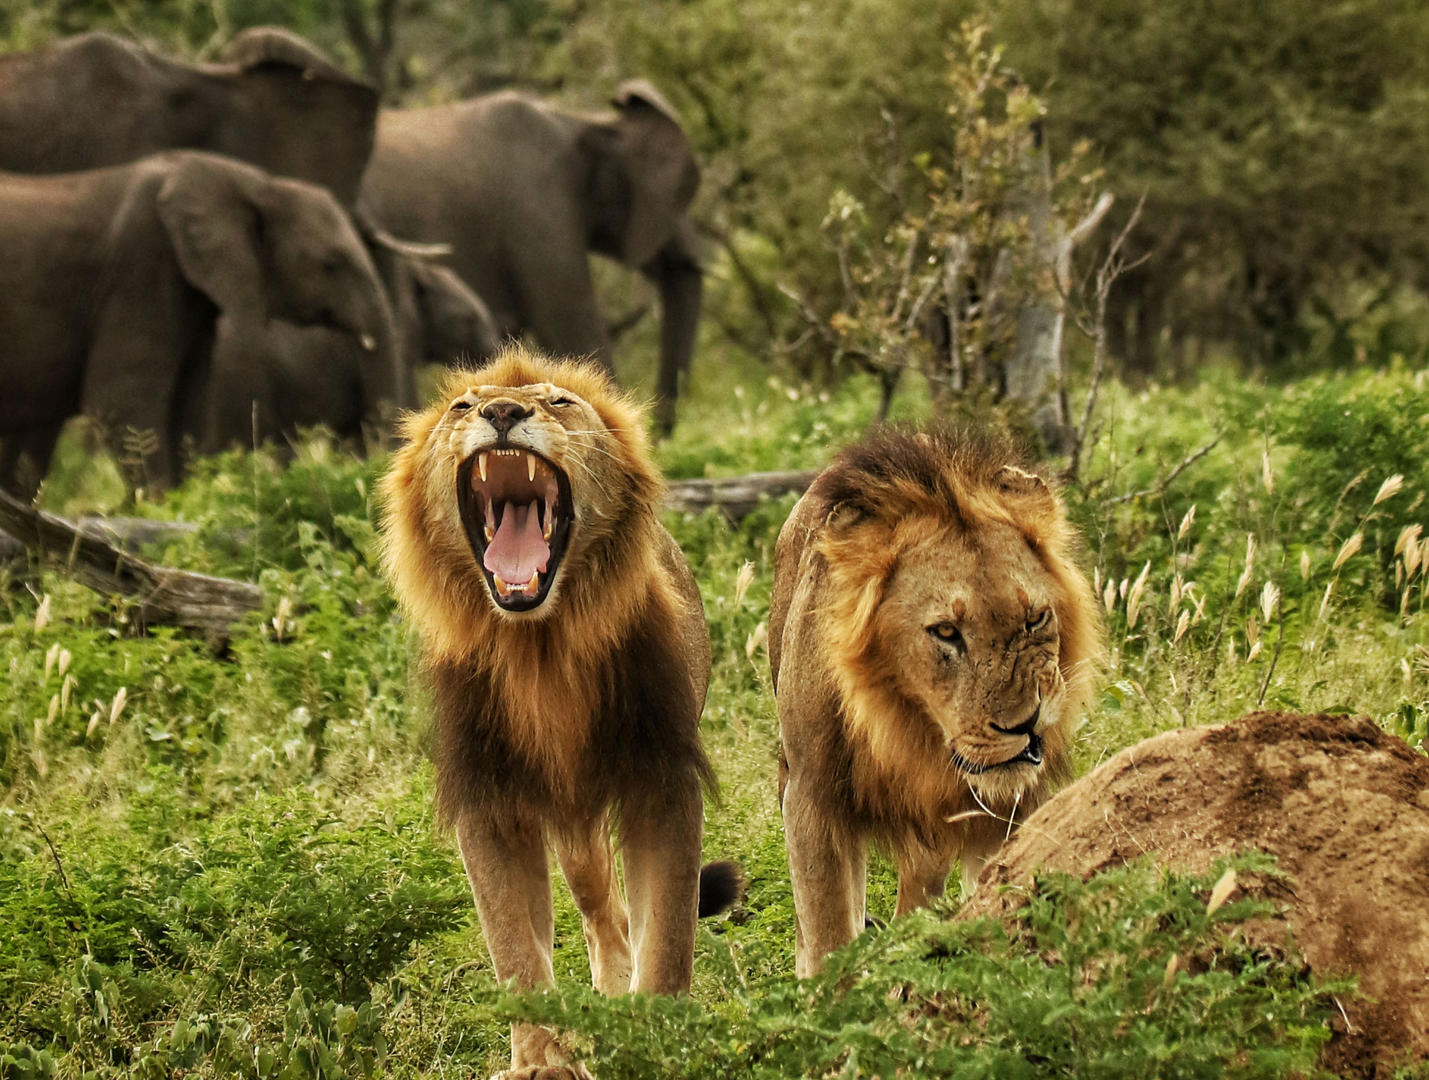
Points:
point(369, 343)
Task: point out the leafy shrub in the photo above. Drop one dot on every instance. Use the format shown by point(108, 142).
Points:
point(1126, 975)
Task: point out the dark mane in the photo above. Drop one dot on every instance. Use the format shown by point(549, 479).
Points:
point(895, 471)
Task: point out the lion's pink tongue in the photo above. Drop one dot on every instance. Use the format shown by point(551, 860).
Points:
point(518, 550)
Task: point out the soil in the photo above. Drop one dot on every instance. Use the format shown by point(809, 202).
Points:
point(1343, 806)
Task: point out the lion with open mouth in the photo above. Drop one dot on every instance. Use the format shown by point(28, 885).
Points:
point(932, 643)
point(566, 649)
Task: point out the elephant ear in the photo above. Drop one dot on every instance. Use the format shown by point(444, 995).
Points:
point(210, 210)
point(260, 45)
point(646, 171)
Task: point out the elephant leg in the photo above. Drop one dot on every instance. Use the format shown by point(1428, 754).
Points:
point(557, 304)
point(506, 863)
point(589, 865)
point(25, 458)
point(133, 375)
point(828, 871)
point(660, 848)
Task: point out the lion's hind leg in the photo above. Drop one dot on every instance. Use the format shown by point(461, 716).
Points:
point(588, 863)
point(660, 848)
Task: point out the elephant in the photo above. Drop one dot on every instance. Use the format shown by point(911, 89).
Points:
point(114, 280)
point(522, 190)
point(272, 100)
point(267, 381)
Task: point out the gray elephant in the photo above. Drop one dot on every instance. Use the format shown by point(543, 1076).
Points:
point(273, 100)
point(439, 318)
point(522, 191)
point(265, 381)
point(113, 281)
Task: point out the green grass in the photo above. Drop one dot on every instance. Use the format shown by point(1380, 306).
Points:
point(225, 866)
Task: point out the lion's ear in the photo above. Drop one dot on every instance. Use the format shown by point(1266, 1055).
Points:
point(1014, 481)
point(842, 516)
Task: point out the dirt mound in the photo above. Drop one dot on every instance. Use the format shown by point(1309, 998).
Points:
point(1342, 805)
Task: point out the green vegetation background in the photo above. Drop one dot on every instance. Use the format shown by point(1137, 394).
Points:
point(229, 866)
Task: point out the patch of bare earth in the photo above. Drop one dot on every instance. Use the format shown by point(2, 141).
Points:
point(1343, 806)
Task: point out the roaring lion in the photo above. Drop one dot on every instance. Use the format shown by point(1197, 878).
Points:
point(568, 657)
point(932, 643)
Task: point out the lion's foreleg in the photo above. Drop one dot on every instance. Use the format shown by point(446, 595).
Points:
point(660, 848)
point(922, 875)
point(828, 870)
point(507, 865)
point(589, 865)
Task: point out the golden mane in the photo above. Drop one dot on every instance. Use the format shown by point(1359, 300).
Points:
point(613, 582)
point(889, 494)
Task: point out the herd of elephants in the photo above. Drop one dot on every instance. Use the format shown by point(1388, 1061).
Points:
point(204, 255)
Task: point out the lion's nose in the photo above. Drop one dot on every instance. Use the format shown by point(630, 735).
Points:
point(1024, 728)
point(505, 414)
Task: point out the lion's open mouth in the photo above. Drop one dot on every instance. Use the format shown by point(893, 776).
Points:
point(516, 509)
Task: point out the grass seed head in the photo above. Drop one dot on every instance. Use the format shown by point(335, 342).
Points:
point(1186, 523)
point(1389, 488)
point(1348, 549)
point(1221, 892)
point(742, 582)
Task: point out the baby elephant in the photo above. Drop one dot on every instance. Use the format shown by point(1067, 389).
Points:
point(114, 279)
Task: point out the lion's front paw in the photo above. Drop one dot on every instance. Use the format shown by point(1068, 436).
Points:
point(575, 1071)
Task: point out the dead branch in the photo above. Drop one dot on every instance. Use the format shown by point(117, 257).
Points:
point(1166, 481)
point(162, 595)
point(1112, 267)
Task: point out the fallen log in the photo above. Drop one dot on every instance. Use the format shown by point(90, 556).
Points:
point(735, 496)
point(100, 551)
point(162, 595)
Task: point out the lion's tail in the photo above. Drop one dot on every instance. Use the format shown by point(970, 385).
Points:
point(721, 887)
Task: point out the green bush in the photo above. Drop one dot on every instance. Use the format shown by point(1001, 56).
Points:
point(1126, 975)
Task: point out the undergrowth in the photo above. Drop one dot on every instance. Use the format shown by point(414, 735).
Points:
point(222, 862)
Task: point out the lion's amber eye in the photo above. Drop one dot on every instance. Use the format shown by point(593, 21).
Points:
point(948, 634)
point(562, 401)
point(460, 406)
point(1039, 621)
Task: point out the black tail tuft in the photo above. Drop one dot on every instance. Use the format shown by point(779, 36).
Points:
point(721, 887)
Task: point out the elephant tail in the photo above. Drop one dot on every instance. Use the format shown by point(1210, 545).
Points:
point(721, 887)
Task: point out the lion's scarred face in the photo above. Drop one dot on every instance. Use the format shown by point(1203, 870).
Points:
point(960, 632)
point(970, 628)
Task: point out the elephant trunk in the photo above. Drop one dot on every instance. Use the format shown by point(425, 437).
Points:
point(677, 273)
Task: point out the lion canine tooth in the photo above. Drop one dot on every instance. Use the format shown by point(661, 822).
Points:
point(531, 468)
point(530, 586)
point(481, 464)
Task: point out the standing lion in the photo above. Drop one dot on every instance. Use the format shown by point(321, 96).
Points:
point(932, 644)
point(566, 649)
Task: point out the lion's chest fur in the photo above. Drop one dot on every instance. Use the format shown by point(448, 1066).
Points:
point(559, 728)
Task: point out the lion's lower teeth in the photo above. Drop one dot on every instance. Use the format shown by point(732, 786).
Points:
point(506, 588)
